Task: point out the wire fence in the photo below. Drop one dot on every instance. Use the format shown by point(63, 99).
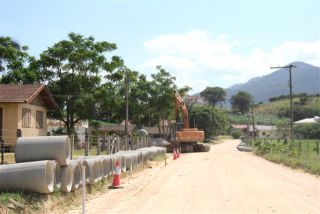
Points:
point(81, 144)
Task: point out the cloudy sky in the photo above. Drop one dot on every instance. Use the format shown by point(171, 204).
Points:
point(202, 43)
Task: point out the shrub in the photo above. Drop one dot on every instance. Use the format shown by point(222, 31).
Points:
point(236, 134)
point(308, 131)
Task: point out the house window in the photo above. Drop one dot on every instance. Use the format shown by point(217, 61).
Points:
point(39, 119)
point(26, 118)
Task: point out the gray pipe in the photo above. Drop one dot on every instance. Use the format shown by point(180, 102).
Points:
point(32, 176)
point(43, 148)
point(57, 173)
point(77, 173)
point(66, 178)
point(92, 170)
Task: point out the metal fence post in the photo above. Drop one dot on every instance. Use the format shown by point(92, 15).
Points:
point(108, 138)
point(83, 189)
point(2, 150)
point(118, 143)
point(98, 145)
point(86, 146)
point(72, 146)
point(318, 149)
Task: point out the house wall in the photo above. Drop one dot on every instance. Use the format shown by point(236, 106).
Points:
point(33, 130)
point(9, 123)
point(267, 134)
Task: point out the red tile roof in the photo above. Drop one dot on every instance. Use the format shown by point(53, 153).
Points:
point(14, 93)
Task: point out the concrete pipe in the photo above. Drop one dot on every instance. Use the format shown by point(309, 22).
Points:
point(57, 173)
point(100, 163)
point(35, 176)
point(43, 148)
point(66, 178)
point(121, 160)
point(92, 170)
point(106, 166)
point(77, 173)
point(128, 159)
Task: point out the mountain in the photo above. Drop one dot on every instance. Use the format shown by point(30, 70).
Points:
point(305, 79)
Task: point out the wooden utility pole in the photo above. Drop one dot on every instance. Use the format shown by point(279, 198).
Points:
point(291, 105)
point(127, 108)
point(253, 126)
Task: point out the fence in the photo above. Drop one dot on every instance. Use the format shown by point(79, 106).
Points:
point(304, 146)
point(81, 145)
point(106, 144)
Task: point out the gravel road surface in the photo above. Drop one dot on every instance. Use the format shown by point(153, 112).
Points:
point(223, 180)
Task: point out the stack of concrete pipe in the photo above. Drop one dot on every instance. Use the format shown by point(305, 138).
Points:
point(43, 163)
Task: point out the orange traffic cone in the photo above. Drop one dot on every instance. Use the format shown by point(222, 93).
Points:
point(174, 154)
point(116, 178)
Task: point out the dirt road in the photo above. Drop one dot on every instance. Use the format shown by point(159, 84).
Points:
point(221, 181)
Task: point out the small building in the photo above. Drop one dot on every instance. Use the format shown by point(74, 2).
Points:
point(23, 109)
point(315, 119)
point(81, 128)
point(260, 131)
point(195, 99)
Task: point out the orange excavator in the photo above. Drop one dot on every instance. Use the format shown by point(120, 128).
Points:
point(185, 137)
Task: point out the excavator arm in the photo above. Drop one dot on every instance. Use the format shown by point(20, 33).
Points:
point(179, 104)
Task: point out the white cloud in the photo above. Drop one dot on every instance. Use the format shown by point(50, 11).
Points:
point(197, 59)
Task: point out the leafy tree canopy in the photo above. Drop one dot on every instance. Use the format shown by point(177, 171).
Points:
point(214, 95)
point(211, 119)
point(241, 102)
point(73, 70)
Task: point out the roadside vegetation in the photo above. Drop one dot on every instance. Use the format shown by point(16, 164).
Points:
point(302, 154)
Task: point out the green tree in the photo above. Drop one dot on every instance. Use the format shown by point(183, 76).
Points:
point(214, 95)
point(15, 62)
point(241, 102)
point(211, 119)
point(161, 98)
point(73, 70)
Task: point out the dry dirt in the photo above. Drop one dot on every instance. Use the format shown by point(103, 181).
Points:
point(221, 181)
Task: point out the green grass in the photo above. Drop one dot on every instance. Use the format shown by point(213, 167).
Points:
point(92, 152)
point(305, 158)
point(103, 123)
point(9, 158)
point(260, 118)
point(272, 108)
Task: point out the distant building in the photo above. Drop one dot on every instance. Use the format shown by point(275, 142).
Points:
point(24, 108)
point(80, 128)
point(260, 131)
point(315, 119)
point(195, 99)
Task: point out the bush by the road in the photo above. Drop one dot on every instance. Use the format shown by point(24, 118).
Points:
point(236, 134)
point(301, 154)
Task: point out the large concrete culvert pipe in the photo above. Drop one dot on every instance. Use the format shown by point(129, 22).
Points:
point(77, 173)
point(128, 158)
point(65, 176)
point(122, 162)
point(106, 167)
point(92, 170)
point(35, 176)
point(43, 148)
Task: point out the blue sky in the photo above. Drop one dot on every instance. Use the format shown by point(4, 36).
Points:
point(202, 43)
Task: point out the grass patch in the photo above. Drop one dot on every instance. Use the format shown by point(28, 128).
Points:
point(300, 155)
point(9, 158)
